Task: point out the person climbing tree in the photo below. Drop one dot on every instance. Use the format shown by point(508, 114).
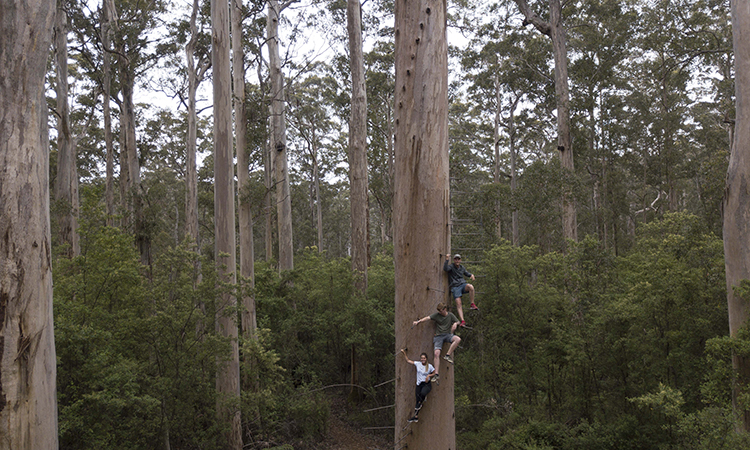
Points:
point(445, 326)
point(457, 283)
point(425, 372)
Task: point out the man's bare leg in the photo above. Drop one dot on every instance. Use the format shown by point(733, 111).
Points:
point(460, 309)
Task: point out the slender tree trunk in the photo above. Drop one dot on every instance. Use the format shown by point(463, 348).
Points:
point(107, 18)
point(66, 183)
point(228, 367)
point(496, 142)
point(28, 404)
point(268, 199)
point(513, 169)
point(358, 197)
point(195, 74)
point(278, 140)
point(737, 207)
point(421, 212)
point(247, 256)
point(316, 185)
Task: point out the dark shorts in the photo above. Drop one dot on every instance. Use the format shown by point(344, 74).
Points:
point(438, 340)
point(459, 291)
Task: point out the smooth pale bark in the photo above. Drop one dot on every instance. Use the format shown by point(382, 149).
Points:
point(28, 403)
point(278, 140)
point(555, 30)
point(268, 198)
point(107, 16)
point(66, 183)
point(228, 368)
point(196, 73)
point(737, 205)
point(358, 198)
point(421, 211)
point(247, 255)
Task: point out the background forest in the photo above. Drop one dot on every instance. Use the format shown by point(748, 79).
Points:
point(615, 341)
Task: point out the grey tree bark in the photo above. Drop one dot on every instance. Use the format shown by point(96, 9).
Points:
point(196, 73)
point(555, 30)
point(358, 194)
point(737, 206)
point(247, 255)
point(421, 212)
point(278, 139)
point(108, 15)
point(66, 183)
point(228, 369)
point(28, 403)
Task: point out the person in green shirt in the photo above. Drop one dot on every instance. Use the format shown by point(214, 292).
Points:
point(445, 326)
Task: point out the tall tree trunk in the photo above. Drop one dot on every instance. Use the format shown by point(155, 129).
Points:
point(133, 182)
point(555, 30)
point(316, 185)
point(108, 15)
point(358, 148)
point(421, 210)
point(28, 404)
point(496, 142)
point(278, 140)
point(195, 76)
point(228, 368)
point(268, 198)
point(66, 183)
point(737, 207)
point(247, 255)
point(513, 168)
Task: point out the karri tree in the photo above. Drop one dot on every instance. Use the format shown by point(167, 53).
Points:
point(421, 209)
point(28, 403)
point(228, 366)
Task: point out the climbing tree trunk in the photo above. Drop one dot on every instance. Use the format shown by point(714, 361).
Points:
point(421, 208)
point(28, 404)
point(358, 148)
point(228, 367)
point(737, 209)
point(278, 140)
point(66, 183)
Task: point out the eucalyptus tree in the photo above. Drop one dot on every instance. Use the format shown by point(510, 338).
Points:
point(228, 369)
point(421, 209)
point(507, 71)
point(278, 136)
point(358, 190)
point(312, 122)
point(556, 31)
point(66, 182)
point(380, 87)
point(28, 417)
point(196, 72)
point(736, 209)
point(600, 46)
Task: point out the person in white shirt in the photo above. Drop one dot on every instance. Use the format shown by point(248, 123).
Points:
point(425, 372)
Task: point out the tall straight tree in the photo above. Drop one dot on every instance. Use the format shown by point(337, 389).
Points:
point(195, 72)
point(279, 157)
point(555, 30)
point(28, 411)
point(737, 205)
point(66, 183)
point(108, 15)
point(228, 367)
point(247, 265)
point(358, 147)
point(421, 210)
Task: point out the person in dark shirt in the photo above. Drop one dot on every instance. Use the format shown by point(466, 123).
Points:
point(457, 282)
point(445, 326)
